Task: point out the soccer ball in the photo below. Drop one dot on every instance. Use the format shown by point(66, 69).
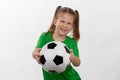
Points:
point(55, 57)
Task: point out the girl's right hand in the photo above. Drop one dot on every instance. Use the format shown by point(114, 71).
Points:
point(36, 55)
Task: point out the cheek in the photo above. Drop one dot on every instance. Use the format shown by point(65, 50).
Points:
point(71, 27)
point(58, 24)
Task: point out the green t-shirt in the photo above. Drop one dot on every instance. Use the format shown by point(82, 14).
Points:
point(70, 73)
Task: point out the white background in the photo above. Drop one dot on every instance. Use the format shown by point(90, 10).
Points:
point(22, 21)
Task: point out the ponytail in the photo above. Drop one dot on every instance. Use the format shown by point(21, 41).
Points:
point(76, 33)
point(56, 11)
point(52, 27)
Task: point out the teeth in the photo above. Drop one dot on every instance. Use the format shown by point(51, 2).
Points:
point(64, 30)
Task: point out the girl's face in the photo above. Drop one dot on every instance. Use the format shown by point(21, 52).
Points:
point(64, 24)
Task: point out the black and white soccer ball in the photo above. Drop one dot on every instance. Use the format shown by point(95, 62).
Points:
point(55, 57)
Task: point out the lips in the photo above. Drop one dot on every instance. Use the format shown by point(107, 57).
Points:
point(63, 30)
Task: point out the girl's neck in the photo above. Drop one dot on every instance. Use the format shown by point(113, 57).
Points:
point(57, 37)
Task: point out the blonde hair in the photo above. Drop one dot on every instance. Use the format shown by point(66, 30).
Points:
point(59, 9)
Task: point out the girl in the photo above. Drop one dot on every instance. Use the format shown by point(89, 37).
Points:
point(65, 20)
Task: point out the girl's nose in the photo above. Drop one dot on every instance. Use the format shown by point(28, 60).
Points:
point(65, 25)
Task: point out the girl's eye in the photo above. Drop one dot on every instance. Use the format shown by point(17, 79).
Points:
point(62, 21)
point(69, 23)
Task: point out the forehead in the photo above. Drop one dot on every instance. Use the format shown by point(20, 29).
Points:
point(66, 16)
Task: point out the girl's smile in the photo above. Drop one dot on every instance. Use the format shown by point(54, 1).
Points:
point(64, 30)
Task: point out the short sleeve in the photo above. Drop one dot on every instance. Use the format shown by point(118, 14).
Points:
point(75, 48)
point(41, 41)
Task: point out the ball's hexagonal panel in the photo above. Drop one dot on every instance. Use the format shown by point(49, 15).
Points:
point(42, 59)
point(58, 60)
point(51, 46)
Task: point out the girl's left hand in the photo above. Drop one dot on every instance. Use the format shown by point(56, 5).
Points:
point(72, 57)
point(75, 60)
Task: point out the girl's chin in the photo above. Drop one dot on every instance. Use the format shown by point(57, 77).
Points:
point(63, 33)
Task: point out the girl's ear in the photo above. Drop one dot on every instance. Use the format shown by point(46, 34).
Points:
point(55, 21)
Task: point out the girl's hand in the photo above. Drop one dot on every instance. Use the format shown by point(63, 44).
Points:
point(72, 57)
point(75, 60)
point(36, 54)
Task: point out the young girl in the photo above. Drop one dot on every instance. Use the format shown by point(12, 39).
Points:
point(65, 20)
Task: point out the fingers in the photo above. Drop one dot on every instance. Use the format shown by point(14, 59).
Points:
point(39, 49)
point(36, 55)
point(71, 52)
point(38, 59)
point(72, 55)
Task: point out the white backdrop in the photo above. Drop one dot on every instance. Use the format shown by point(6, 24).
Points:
point(22, 21)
